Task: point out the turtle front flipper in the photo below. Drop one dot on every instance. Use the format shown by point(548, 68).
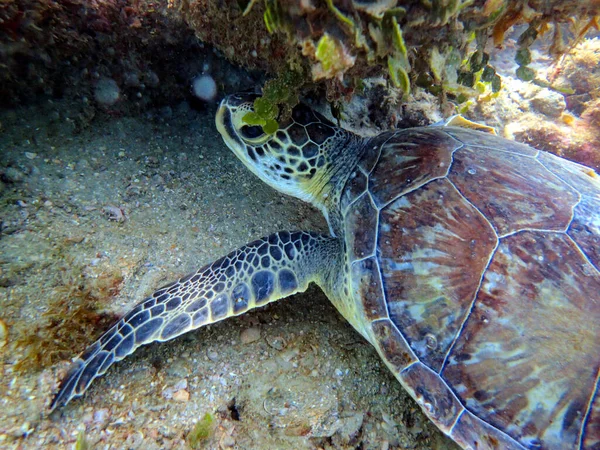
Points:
point(254, 275)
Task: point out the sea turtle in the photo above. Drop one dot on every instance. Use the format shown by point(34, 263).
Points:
point(470, 262)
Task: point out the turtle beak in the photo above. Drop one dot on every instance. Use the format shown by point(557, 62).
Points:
point(224, 119)
point(224, 123)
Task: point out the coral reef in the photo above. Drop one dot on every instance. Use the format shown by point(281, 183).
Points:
point(440, 46)
point(559, 111)
point(124, 56)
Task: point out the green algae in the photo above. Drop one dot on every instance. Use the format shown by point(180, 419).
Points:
point(279, 96)
point(201, 432)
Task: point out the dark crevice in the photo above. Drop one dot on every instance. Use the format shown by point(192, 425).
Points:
point(233, 410)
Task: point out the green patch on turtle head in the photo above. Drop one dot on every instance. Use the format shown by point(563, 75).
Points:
point(296, 159)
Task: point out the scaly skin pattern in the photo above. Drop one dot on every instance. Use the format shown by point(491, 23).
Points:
point(252, 276)
point(470, 262)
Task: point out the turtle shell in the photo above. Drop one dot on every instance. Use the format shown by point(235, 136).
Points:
point(476, 262)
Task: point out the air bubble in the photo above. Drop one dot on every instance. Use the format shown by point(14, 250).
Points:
point(471, 171)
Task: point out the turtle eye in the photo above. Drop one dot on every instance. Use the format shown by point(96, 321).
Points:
point(251, 131)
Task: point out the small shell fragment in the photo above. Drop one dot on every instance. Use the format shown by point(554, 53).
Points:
point(181, 396)
point(3, 333)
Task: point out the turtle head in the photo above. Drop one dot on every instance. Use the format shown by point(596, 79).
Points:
point(299, 159)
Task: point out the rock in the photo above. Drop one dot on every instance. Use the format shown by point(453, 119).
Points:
point(277, 342)
point(166, 112)
point(178, 368)
point(350, 429)
point(167, 432)
point(549, 103)
point(228, 442)
point(132, 79)
point(12, 175)
point(250, 335)
point(152, 162)
point(151, 79)
point(82, 165)
point(106, 92)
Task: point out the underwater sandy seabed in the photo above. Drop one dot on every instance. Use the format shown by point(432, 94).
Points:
point(293, 374)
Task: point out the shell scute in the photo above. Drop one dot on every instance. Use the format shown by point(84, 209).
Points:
point(434, 247)
point(408, 160)
point(392, 345)
point(362, 218)
point(433, 395)
point(472, 432)
point(471, 137)
point(514, 192)
point(355, 186)
point(585, 227)
point(373, 151)
point(582, 178)
point(367, 283)
point(591, 431)
point(531, 341)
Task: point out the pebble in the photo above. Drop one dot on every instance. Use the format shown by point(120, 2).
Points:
point(351, 428)
point(82, 165)
point(183, 384)
point(13, 175)
point(228, 441)
point(152, 162)
point(277, 342)
point(3, 333)
point(178, 368)
point(290, 354)
point(181, 396)
point(167, 432)
point(101, 416)
point(250, 335)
